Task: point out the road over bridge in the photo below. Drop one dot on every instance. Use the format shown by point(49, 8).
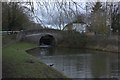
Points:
point(42, 36)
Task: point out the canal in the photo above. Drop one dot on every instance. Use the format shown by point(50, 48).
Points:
point(80, 63)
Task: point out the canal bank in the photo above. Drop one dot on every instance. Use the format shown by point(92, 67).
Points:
point(104, 43)
point(82, 41)
point(18, 64)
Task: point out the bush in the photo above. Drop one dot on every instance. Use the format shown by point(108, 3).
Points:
point(73, 39)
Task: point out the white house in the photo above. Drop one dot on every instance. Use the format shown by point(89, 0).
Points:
point(79, 27)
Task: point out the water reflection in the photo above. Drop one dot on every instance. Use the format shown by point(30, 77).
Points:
point(76, 63)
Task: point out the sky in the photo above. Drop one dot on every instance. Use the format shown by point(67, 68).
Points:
point(50, 16)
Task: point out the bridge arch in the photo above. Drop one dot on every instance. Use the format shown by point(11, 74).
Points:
point(47, 40)
point(39, 36)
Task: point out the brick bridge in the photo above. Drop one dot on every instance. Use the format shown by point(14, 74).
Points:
point(42, 36)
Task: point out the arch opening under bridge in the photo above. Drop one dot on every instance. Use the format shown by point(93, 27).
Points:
point(48, 40)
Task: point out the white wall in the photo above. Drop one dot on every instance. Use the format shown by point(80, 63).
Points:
point(79, 27)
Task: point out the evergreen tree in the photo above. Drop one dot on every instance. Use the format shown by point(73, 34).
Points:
point(96, 7)
point(98, 19)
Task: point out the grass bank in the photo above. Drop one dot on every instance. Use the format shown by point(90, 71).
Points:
point(16, 63)
point(73, 39)
point(103, 43)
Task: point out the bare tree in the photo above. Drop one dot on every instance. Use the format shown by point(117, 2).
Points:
point(58, 12)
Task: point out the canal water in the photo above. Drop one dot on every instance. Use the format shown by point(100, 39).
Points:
point(80, 63)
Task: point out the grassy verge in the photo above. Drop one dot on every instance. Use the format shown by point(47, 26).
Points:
point(103, 43)
point(16, 63)
point(73, 39)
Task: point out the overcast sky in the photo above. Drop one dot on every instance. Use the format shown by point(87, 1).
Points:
point(50, 16)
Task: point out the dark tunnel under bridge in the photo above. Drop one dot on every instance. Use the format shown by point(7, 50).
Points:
point(48, 40)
